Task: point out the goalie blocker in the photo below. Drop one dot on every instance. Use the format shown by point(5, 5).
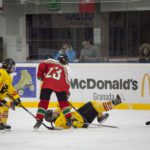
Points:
point(84, 115)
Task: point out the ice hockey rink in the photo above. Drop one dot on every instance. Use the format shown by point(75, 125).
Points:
point(131, 134)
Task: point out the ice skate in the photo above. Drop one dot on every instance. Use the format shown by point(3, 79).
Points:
point(5, 126)
point(37, 125)
point(117, 100)
point(1, 127)
point(102, 117)
point(25, 81)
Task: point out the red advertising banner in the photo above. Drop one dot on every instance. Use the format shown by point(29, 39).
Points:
point(87, 6)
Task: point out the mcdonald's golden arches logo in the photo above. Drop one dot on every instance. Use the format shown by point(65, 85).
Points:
point(146, 76)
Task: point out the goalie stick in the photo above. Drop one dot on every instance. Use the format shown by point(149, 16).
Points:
point(87, 123)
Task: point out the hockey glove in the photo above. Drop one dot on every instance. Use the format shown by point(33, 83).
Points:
point(12, 105)
point(39, 78)
point(17, 102)
point(3, 102)
point(4, 89)
point(69, 122)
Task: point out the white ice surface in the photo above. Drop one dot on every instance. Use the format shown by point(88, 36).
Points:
point(132, 134)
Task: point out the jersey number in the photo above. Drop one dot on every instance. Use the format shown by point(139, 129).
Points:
point(56, 74)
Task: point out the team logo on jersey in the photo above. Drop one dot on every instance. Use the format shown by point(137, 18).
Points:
point(146, 76)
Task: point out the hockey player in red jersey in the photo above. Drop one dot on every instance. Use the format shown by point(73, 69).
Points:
point(55, 78)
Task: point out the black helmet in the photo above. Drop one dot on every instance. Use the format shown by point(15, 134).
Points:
point(9, 65)
point(63, 59)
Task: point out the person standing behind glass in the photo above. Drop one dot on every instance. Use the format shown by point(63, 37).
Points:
point(144, 53)
point(68, 50)
point(89, 53)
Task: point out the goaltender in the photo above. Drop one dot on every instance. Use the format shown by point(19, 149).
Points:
point(82, 117)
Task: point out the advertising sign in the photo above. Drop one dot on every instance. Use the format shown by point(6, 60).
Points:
point(24, 81)
point(146, 76)
point(99, 82)
point(104, 81)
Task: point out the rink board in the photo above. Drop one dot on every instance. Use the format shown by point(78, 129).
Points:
point(131, 106)
point(99, 82)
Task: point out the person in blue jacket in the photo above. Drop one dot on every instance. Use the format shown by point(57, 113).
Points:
point(68, 50)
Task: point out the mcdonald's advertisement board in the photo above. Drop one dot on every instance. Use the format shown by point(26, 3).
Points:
point(100, 82)
point(103, 81)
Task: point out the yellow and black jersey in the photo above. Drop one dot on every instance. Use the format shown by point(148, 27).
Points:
point(60, 122)
point(86, 113)
point(5, 78)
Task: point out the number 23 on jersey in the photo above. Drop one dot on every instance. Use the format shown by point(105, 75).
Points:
point(54, 72)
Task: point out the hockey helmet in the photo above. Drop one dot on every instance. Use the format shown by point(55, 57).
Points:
point(63, 59)
point(9, 65)
point(51, 115)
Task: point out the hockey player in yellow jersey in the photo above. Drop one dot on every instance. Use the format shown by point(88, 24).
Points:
point(6, 88)
point(82, 117)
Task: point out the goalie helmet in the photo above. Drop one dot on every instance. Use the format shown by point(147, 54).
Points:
point(9, 65)
point(63, 59)
point(51, 115)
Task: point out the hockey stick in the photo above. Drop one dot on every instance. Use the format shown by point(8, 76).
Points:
point(50, 128)
point(86, 122)
point(99, 125)
point(11, 107)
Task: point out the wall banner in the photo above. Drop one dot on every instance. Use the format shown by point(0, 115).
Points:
point(24, 81)
point(103, 81)
point(99, 82)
